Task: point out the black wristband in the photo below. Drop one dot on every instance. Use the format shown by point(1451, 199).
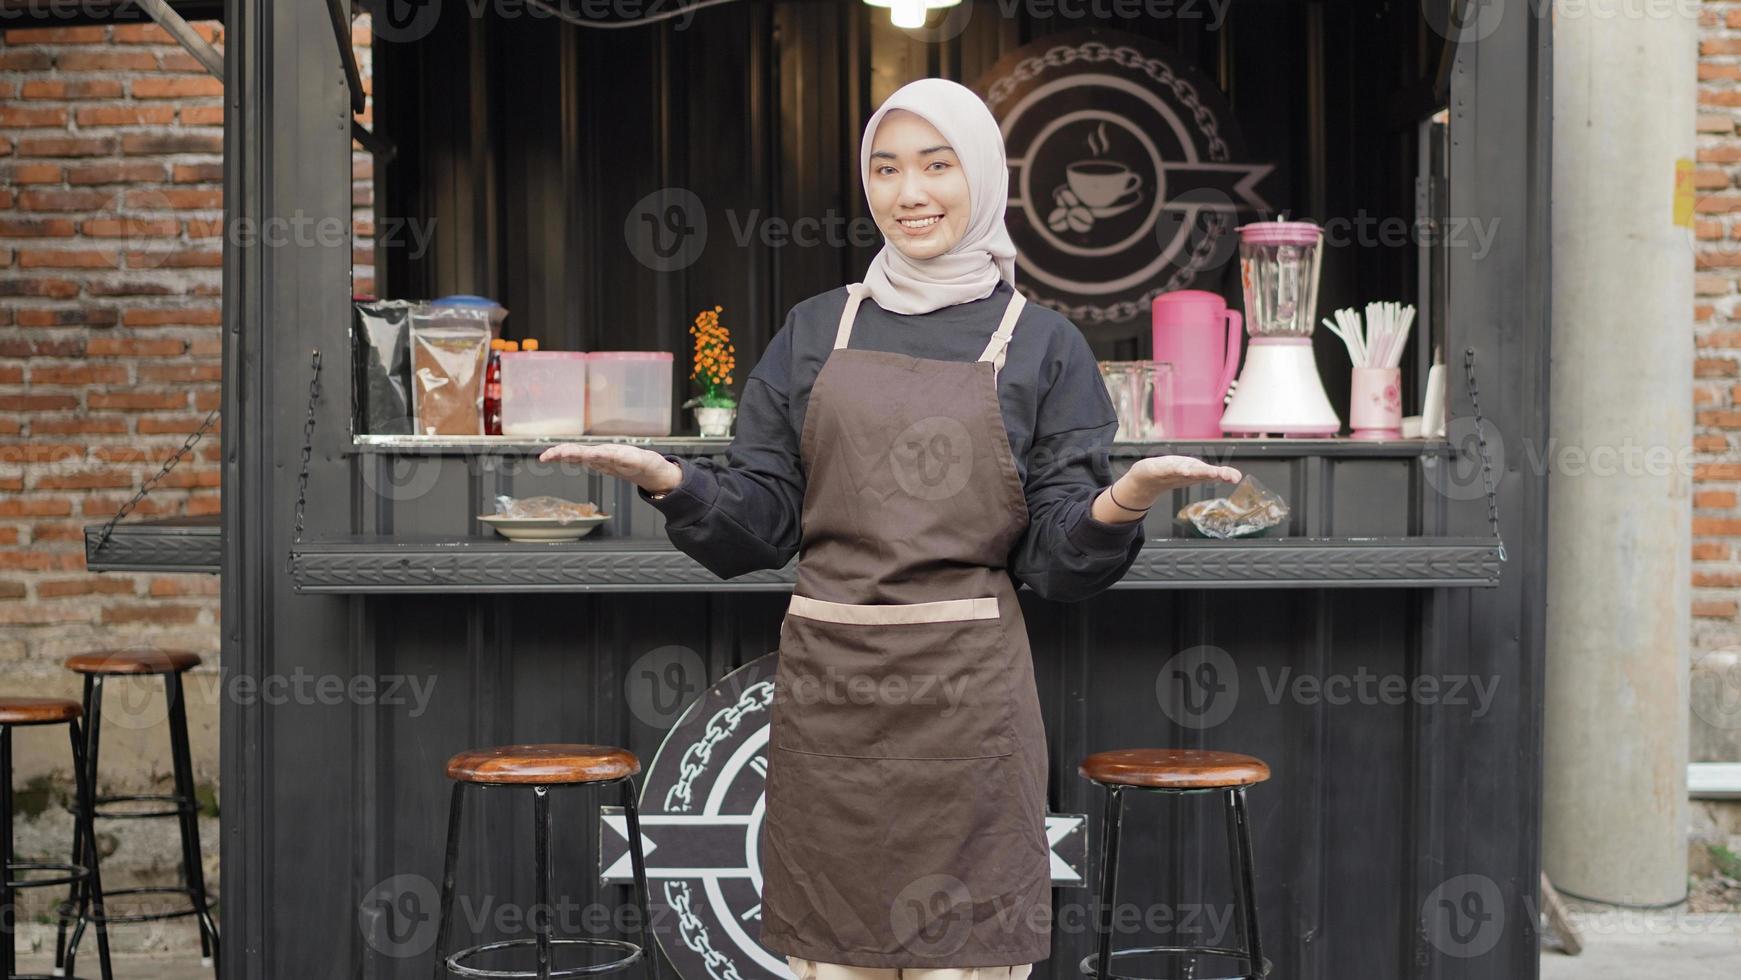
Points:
point(1115, 503)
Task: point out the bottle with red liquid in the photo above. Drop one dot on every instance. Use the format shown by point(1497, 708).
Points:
point(493, 386)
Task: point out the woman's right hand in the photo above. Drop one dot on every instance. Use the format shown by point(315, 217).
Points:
point(644, 468)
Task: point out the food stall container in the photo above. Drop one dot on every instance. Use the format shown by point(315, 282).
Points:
point(494, 311)
point(628, 393)
point(543, 393)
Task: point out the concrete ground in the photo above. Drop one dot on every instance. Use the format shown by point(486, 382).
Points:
point(1634, 945)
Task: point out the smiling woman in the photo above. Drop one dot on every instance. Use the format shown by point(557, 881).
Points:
point(918, 193)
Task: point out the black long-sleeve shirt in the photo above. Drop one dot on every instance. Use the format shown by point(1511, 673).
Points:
point(744, 514)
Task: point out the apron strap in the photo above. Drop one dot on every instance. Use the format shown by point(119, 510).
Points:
point(855, 294)
point(994, 348)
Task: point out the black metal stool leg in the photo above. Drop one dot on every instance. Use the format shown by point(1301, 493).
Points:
point(1109, 831)
point(444, 915)
point(8, 913)
point(74, 908)
point(1239, 825)
point(193, 867)
point(642, 892)
point(541, 858)
point(87, 805)
point(93, 730)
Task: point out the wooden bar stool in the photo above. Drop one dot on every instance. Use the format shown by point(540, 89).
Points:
point(539, 768)
point(183, 804)
point(16, 713)
point(1178, 772)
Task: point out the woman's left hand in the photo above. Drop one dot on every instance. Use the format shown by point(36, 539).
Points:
point(1150, 477)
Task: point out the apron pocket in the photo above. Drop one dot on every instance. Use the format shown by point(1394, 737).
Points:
point(925, 680)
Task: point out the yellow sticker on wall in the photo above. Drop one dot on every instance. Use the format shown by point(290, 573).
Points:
point(1684, 192)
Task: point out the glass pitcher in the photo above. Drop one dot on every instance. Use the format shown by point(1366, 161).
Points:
point(1278, 265)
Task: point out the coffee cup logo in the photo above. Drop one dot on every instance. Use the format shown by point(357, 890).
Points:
point(1112, 142)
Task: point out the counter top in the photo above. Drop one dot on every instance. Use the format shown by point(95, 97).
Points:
point(697, 446)
point(377, 564)
point(173, 544)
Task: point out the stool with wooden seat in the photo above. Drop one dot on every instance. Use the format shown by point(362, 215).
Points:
point(540, 768)
point(182, 804)
point(1177, 772)
point(20, 713)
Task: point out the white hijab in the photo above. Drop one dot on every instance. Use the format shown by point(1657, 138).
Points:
point(972, 267)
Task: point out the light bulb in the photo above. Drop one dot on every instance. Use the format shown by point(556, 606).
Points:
point(907, 13)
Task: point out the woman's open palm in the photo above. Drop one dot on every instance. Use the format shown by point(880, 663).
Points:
point(639, 466)
point(1160, 474)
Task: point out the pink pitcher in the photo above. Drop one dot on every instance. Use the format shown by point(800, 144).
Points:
point(1200, 336)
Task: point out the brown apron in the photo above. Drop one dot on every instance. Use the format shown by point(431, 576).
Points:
point(906, 784)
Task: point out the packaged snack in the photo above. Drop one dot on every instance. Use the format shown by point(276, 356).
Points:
point(381, 366)
point(450, 350)
point(1250, 509)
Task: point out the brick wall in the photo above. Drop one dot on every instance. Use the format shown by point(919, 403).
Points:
point(1717, 372)
point(111, 209)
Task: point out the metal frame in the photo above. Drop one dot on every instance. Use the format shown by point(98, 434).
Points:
point(544, 942)
point(287, 149)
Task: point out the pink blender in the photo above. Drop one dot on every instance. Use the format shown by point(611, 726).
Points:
point(1196, 332)
point(1279, 390)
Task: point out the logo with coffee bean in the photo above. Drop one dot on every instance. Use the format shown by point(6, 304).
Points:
point(702, 803)
point(1126, 172)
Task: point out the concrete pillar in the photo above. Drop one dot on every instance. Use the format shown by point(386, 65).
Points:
point(1619, 517)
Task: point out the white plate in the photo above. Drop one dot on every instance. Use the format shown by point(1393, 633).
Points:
point(543, 528)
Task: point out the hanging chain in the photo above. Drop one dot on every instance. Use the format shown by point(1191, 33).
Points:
point(1481, 442)
point(307, 443)
point(168, 464)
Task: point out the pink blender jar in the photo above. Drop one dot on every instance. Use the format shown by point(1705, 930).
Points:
point(1196, 332)
point(1279, 390)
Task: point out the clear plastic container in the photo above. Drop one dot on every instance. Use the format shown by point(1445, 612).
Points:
point(628, 393)
point(543, 393)
point(473, 306)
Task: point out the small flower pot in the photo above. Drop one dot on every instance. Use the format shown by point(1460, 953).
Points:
point(715, 422)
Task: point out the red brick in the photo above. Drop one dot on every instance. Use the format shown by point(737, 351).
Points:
point(177, 197)
point(21, 117)
point(115, 173)
point(79, 375)
point(36, 173)
point(130, 287)
point(41, 288)
point(205, 227)
point(61, 89)
point(197, 173)
point(183, 259)
point(150, 612)
point(106, 59)
point(36, 227)
point(36, 506)
point(132, 347)
point(177, 87)
point(42, 452)
point(180, 425)
point(67, 258)
point(180, 373)
point(54, 35)
point(202, 115)
point(38, 403)
point(183, 585)
point(163, 144)
point(131, 227)
point(149, 401)
point(65, 200)
point(1715, 608)
point(67, 316)
point(152, 34)
point(70, 425)
point(86, 480)
point(124, 115)
point(66, 146)
point(193, 316)
point(25, 59)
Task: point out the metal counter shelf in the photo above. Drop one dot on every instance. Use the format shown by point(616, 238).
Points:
point(698, 446)
point(392, 564)
point(174, 544)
